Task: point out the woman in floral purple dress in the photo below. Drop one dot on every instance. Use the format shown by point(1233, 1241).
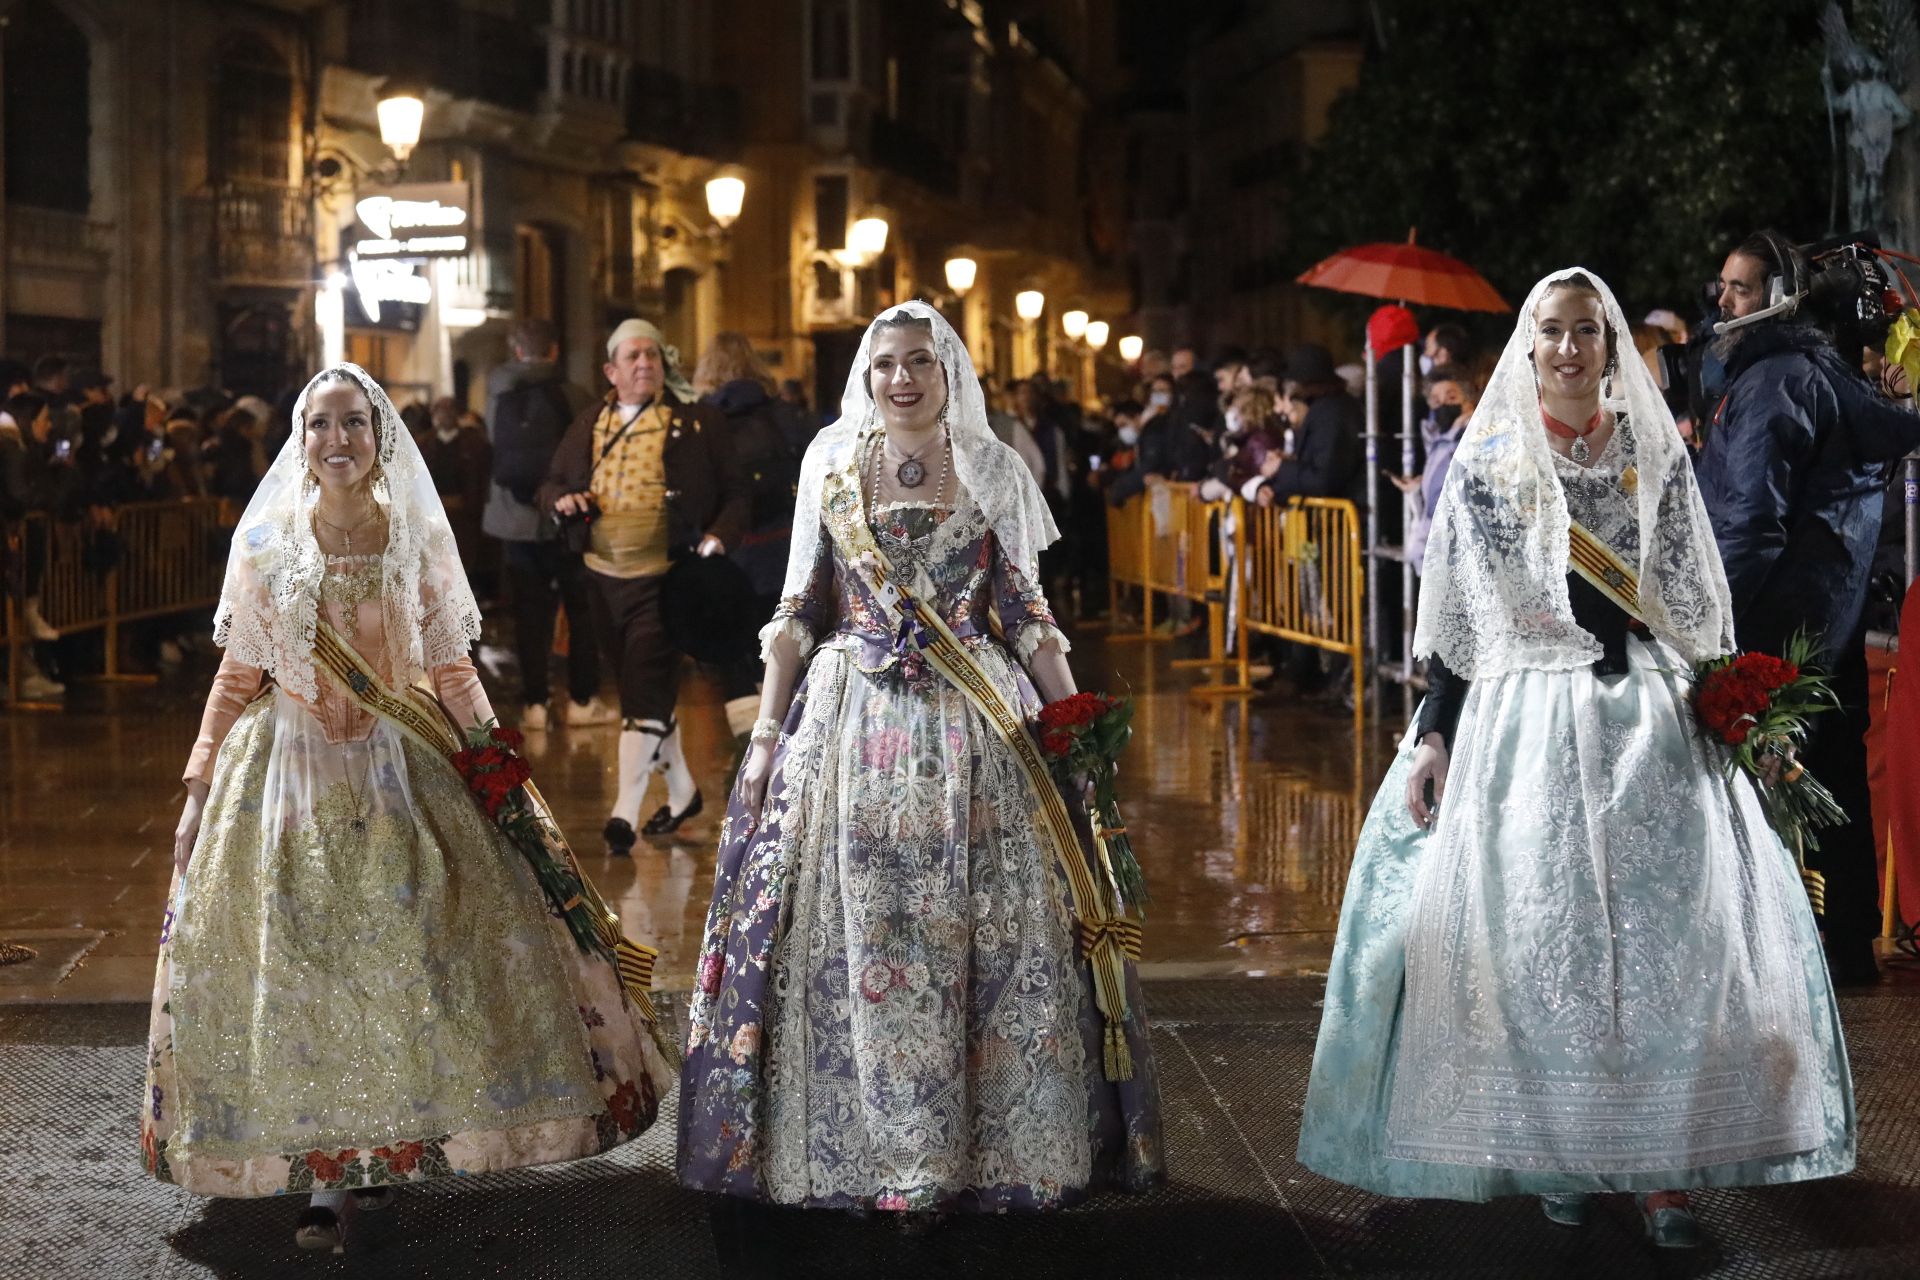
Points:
point(892, 1008)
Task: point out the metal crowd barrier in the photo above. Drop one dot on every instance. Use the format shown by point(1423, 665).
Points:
point(171, 558)
point(1293, 572)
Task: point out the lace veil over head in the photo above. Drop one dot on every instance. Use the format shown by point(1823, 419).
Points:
point(269, 606)
point(1494, 596)
point(991, 473)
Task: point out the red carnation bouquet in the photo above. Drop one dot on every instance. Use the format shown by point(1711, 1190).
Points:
point(1083, 736)
point(1759, 705)
point(497, 775)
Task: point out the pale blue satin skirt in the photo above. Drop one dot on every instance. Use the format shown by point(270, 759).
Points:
point(1598, 971)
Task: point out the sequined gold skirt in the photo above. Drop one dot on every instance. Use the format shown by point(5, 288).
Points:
point(360, 983)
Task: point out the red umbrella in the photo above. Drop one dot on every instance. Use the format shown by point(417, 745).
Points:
point(1406, 273)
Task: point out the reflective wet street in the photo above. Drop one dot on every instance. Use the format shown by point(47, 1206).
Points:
point(1243, 813)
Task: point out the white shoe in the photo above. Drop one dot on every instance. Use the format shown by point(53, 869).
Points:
point(35, 685)
point(591, 712)
point(494, 659)
point(37, 628)
point(533, 717)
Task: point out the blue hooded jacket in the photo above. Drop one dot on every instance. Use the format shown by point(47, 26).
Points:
point(1793, 475)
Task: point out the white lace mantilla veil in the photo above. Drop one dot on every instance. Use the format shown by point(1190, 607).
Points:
point(269, 605)
point(1494, 596)
point(991, 472)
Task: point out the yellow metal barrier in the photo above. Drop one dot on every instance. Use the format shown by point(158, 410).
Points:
point(1293, 572)
point(172, 558)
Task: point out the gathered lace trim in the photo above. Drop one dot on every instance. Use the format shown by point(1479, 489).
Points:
point(1029, 638)
point(791, 627)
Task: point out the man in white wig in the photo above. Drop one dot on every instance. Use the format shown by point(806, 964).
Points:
point(652, 477)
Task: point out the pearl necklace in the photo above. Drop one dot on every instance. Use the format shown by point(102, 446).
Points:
point(919, 473)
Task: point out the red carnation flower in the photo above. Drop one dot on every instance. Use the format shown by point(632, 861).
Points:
point(511, 739)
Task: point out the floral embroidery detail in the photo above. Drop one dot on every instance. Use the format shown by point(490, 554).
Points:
point(746, 1042)
point(401, 1158)
point(624, 1106)
point(712, 965)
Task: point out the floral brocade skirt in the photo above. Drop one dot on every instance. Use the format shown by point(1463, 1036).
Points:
point(1598, 970)
point(360, 983)
point(890, 1009)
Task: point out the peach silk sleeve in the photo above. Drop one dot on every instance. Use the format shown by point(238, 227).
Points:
point(234, 686)
point(457, 685)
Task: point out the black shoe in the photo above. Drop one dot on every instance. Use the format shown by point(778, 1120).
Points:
point(618, 833)
point(665, 821)
point(1850, 962)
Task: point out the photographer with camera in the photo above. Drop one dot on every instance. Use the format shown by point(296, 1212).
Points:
point(1793, 474)
point(530, 406)
point(642, 479)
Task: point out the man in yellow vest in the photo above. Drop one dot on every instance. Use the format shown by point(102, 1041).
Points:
point(652, 476)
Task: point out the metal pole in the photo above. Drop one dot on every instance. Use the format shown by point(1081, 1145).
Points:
point(1911, 491)
point(1407, 363)
point(1370, 646)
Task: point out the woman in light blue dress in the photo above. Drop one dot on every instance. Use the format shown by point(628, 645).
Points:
point(1573, 957)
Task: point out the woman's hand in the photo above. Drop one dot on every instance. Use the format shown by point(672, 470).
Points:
point(751, 787)
point(1429, 765)
point(185, 834)
point(573, 504)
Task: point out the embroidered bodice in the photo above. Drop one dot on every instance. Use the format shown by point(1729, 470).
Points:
point(950, 558)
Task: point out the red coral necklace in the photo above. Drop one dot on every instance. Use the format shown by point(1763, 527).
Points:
point(1580, 451)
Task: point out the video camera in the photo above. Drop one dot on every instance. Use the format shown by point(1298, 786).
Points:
point(1841, 286)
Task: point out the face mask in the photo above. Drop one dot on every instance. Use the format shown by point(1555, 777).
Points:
point(1161, 399)
point(446, 434)
point(1426, 365)
point(1234, 424)
point(1445, 416)
point(1129, 435)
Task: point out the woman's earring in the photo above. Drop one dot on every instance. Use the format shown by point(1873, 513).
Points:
point(382, 494)
point(944, 406)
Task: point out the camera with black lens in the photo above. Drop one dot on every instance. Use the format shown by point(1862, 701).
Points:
point(576, 527)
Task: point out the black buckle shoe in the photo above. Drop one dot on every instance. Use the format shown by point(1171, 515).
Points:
point(665, 821)
point(618, 833)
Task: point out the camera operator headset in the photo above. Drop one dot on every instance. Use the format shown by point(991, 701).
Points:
point(1793, 475)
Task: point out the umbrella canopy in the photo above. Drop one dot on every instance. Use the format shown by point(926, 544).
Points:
point(1406, 273)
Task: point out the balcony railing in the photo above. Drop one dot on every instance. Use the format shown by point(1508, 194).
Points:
point(260, 234)
point(56, 237)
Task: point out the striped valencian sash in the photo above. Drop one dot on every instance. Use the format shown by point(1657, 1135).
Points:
point(418, 715)
point(1595, 561)
point(1108, 936)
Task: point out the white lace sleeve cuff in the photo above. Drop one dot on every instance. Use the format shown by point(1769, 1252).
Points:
point(1034, 634)
point(791, 627)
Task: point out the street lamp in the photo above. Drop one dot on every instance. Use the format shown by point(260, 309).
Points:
point(1028, 304)
point(1131, 346)
point(961, 273)
point(401, 109)
point(1075, 323)
point(868, 238)
point(725, 195)
point(1097, 331)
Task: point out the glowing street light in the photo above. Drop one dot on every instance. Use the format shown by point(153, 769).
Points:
point(1075, 323)
point(401, 110)
point(1097, 331)
point(868, 238)
point(1131, 346)
point(725, 195)
point(1028, 304)
point(961, 273)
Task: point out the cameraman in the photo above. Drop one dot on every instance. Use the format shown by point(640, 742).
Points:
point(1793, 474)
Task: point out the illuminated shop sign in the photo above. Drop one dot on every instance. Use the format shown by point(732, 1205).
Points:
point(417, 220)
